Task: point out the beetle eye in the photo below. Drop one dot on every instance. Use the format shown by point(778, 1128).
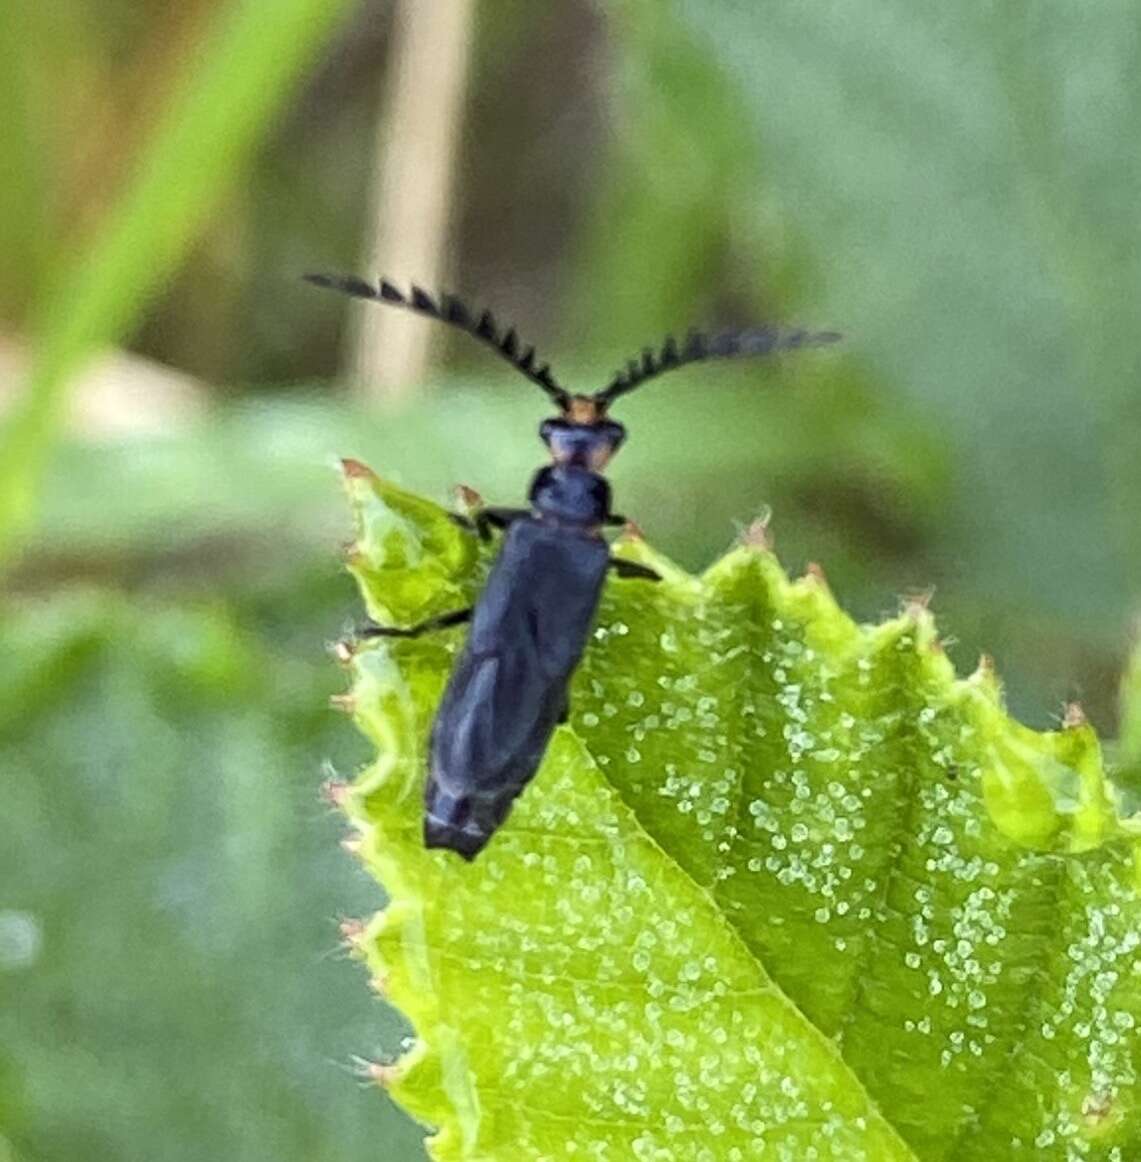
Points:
point(547, 430)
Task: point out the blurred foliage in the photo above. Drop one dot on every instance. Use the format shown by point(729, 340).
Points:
point(1129, 744)
point(953, 188)
point(1131, 702)
point(167, 847)
point(231, 85)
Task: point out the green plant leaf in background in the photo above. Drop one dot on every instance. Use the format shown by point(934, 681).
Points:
point(956, 191)
point(170, 979)
point(783, 887)
point(1129, 745)
point(1131, 704)
point(229, 93)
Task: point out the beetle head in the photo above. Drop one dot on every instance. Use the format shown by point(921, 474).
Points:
point(583, 435)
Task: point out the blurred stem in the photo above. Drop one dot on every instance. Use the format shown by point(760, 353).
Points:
point(230, 89)
point(418, 134)
point(1131, 703)
point(26, 158)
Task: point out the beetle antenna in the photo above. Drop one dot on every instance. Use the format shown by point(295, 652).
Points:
point(699, 347)
point(449, 309)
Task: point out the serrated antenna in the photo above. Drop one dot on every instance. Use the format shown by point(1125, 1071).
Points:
point(449, 309)
point(699, 346)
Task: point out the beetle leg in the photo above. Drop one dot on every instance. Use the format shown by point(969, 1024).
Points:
point(615, 521)
point(456, 617)
point(494, 517)
point(489, 518)
point(632, 569)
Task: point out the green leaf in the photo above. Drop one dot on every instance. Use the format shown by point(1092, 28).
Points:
point(1129, 745)
point(784, 886)
point(1131, 704)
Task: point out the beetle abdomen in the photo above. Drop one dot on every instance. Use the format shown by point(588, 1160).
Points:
point(508, 691)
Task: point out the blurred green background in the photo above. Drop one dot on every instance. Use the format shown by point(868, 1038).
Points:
point(956, 188)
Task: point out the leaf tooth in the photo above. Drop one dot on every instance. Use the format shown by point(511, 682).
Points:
point(467, 499)
point(986, 679)
point(384, 1075)
point(355, 469)
point(917, 603)
point(352, 930)
point(758, 535)
point(343, 649)
point(335, 792)
point(815, 571)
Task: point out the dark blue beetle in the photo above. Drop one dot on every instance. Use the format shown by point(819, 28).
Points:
point(530, 626)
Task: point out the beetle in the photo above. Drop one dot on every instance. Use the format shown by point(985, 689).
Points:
point(529, 628)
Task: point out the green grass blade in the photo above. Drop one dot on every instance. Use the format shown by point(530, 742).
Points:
point(218, 114)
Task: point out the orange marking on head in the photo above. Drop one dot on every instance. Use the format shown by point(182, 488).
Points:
point(582, 409)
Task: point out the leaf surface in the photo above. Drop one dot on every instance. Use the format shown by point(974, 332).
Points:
point(784, 886)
